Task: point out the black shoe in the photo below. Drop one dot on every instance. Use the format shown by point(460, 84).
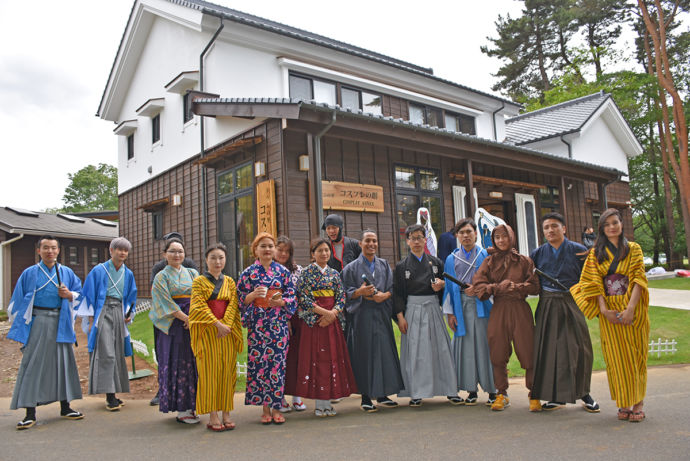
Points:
point(415, 402)
point(590, 404)
point(471, 399)
point(548, 406)
point(491, 400)
point(155, 401)
point(112, 403)
point(455, 400)
point(386, 402)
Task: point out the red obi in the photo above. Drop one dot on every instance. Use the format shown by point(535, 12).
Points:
point(218, 307)
point(263, 302)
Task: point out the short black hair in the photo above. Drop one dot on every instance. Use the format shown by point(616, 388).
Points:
point(46, 237)
point(462, 223)
point(553, 215)
point(367, 231)
point(415, 228)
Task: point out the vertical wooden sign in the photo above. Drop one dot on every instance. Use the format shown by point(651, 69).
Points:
point(266, 207)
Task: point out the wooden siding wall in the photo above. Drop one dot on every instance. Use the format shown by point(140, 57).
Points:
point(395, 107)
point(184, 179)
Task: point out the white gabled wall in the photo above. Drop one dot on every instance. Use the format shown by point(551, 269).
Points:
point(599, 146)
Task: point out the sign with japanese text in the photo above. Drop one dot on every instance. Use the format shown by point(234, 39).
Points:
point(266, 207)
point(352, 197)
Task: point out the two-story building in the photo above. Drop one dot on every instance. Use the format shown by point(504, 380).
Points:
point(228, 123)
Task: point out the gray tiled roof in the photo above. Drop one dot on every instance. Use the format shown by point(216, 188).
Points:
point(557, 120)
point(406, 123)
point(19, 222)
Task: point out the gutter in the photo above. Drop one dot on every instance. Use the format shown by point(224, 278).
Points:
point(2, 268)
point(317, 170)
point(493, 119)
point(204, 197)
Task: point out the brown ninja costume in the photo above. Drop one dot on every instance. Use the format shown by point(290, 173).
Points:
point(511, 318)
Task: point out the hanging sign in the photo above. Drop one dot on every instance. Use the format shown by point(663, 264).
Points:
point(352, 197)
point(266, 207)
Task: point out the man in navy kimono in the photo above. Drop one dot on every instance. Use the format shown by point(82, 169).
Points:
point(368, 282)
point(562, 346)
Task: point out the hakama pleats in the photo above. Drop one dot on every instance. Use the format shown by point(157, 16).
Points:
point(177, 373)
point(425, 355)
point(48, 371)
point(297, 324)
point(562, 350)
point(108, 367)
point(471, 352)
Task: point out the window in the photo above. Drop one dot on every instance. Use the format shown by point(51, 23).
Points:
point(93, 258)
point(236, 216)
point(312, 89)
point(414, 188)
point(436, 117)
point(156, 129)
point(130, 146)
point(157, 224)
point(72, 256)
point(187, 113)
point(549, 199)
point(355, 99)
point(309, 88)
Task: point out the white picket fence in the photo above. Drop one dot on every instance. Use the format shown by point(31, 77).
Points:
point(659, 347)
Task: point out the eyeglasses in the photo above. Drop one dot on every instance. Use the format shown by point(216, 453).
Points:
point(417, 239)
point(175, 252)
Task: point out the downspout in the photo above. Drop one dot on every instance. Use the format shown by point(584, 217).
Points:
point(570, 147)
point(204, 198)
point(603, 200)
point(317, 171)
point(2, 267)
point(493, 119)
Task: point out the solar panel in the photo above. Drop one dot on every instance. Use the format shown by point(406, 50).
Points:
point(105, 222)
point(22, 211)
point(71, 218)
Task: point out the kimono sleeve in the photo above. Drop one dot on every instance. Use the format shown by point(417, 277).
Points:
point(591, 285)
point(163, 305)
point(350, 284)
point(306, 300)
point(289, 294)
point(399, 297)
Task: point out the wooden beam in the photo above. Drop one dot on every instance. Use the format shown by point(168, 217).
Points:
point(469, 188)
point(564, 203)
point(154, 205)
point(498, 181)
point(218, 153)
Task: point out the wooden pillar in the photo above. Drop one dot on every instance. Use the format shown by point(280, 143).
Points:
point(603, 200)
point(313, 215)
point(469, 187)
point(564, 205)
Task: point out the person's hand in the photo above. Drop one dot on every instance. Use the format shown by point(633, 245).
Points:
point(366, 290)
point(402, 324)
point(128, 319)
point(327, 318)
point(438, 284)
point(627, 316)
point(64, 292)
point(379, 297)
point(278, 301)
point(452, 322)
point(469, 291)
point(222, 329)
point(610, 315)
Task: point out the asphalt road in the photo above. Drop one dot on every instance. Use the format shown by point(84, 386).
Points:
point(437, 430)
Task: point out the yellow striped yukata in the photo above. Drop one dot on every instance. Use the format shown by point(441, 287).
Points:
point(624, 346)
point(216, 358)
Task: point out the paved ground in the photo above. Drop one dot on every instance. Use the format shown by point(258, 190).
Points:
point(675, 299)
point(434, 431)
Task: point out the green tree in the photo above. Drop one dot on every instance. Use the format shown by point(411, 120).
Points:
point(93, 188)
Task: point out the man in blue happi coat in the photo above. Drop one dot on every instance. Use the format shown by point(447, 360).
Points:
point(42, 312)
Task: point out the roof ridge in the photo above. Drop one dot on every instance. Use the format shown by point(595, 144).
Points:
point(560, 105)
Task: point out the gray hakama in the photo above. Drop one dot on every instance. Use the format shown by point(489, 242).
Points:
point(562, 349)
point(108, 368)
point(48, 371)
point(425, 358)
point(471, 352)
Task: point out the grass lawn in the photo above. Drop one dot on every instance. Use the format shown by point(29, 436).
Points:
point(676, 283)
point(665, 324)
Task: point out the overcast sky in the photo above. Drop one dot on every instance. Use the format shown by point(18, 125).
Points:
point(56, 57)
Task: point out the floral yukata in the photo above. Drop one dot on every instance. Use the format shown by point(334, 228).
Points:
point(268, 332)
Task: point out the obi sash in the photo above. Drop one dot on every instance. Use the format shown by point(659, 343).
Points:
point(324, 298)
point(218, 307)
point(263, 302)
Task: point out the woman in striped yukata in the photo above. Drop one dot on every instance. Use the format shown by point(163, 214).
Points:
point(613, 285)
point(216, 335)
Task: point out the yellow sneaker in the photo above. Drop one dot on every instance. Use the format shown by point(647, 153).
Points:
point(534, 405)
point(502, 402)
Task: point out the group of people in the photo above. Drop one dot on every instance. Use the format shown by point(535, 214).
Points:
point(324, 331)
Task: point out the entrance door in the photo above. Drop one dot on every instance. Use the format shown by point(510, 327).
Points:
point(236, 217)
point(459, 208)
point(526, 222)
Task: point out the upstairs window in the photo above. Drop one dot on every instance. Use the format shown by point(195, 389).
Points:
point(460, 123)
point(156, 129)
point(73, 256)
point(433, 116)
point(187, 113)
point(312, 89)
point(130, 146)
point(355, 99)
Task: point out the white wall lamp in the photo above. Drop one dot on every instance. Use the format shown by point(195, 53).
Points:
point(176, 200)
point(304, 163)
point(259, 169)
point(496, 194)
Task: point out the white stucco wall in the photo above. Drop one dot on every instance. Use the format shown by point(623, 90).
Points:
point(598, 145)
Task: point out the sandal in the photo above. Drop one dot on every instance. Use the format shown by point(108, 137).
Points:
point(229, 425)
point(220, 427)
point(636, 416)
point(278, 419)
point(25, 424)
point(624, 414)
point(266, 419)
